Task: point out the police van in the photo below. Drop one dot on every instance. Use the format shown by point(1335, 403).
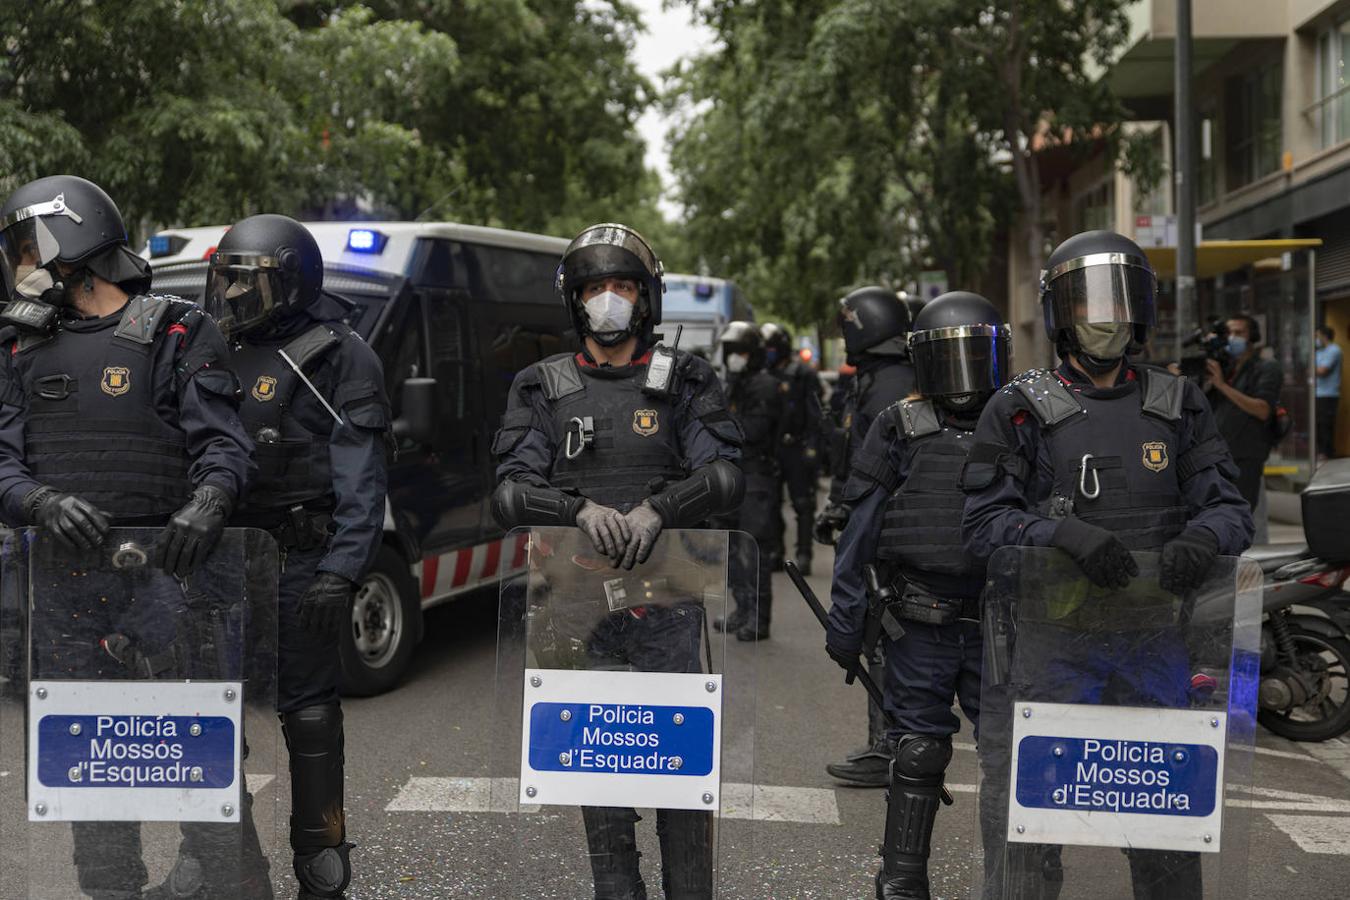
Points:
point(454, 312)
point(702, 307)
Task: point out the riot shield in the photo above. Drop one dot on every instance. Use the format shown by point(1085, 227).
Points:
point(137, 720)
point(625, 734)
point(1116, 731)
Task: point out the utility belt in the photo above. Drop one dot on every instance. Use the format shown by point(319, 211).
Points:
point(903, 602)
point(294, 529)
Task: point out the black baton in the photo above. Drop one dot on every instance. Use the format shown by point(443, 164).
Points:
point(863, 676)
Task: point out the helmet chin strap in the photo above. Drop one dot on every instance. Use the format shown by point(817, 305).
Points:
point(609, 338)
point(1096, 365)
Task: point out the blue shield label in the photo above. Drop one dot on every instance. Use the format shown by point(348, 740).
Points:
point(1117, 776)
point(614, 738)
point(132, 751)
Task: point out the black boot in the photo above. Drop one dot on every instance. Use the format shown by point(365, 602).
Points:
point(686, 838)
point(911, 808)
point(869, 766)
point(318, 823)
point(730, 624)
point(1165, 875)
point(612, 843)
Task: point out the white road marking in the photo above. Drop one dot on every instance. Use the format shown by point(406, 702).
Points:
point(1316, 834)
point(771, 803)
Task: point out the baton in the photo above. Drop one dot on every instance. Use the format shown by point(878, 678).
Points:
point(863, 676)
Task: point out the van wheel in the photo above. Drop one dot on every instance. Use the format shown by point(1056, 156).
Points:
point(383, 634)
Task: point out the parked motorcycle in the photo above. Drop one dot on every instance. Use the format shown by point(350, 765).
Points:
point(1305, 632)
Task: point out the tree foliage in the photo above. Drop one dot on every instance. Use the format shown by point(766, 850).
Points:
point(828, 143)
point(518, 113)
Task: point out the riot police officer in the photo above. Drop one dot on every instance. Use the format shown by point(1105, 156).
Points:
point(758, 400)
point(875, 323)
point(116, 408)
point(800, 433)
point(906, 499)
point(315, 405)
point(623, 439)
point(1101, 457)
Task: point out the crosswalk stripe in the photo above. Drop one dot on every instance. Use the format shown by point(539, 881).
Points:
point(1316, 834)
point(760, 803)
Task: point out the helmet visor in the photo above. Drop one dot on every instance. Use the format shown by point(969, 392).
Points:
point(242, 291)
point(964, 359)
point(25, 245)
point(1106, 287)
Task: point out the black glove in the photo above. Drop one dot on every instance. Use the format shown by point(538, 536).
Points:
point(1099, 553)
point(844, 647)
point(831, 519)
point(644, 525)
point(325, 603)
point(75, 522)
point(607, 528)
point(1186, 560)
point(192, 532)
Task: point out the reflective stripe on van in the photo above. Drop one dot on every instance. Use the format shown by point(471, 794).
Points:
point(459, 571)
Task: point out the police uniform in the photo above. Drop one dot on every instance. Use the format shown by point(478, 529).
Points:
point(877, 383)
point(1141, 459)
point(758, 401)
point(579, 432)
point(798, 446)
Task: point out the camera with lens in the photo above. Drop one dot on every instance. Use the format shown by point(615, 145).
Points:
point(1209, 342)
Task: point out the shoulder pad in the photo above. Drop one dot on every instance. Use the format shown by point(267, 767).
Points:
point(919, 418)
point(29, 341)
point(146, 313)
point(1046, 396)
point(314, 342)
point(559, 376)
point(1161, 392)
point(692, 366)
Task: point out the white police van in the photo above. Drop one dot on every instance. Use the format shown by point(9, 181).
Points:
point(463, 305)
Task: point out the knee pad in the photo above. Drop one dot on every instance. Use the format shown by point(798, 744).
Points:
point(326, 873)
point(922, 755)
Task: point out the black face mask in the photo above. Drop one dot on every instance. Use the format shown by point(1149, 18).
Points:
point(1095, 365)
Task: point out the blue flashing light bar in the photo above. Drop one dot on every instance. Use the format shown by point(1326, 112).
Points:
point(703, 291)
point(366, 240)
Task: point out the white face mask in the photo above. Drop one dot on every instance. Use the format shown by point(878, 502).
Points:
point(33, 281)
point(737, 362)
point(608, 312)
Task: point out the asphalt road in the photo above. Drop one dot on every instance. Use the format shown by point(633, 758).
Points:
point(429, 768)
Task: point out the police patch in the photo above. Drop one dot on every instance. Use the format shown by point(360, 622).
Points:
point(116, 381)
point(1155, 455)
point(645, 423)
point(264, 389)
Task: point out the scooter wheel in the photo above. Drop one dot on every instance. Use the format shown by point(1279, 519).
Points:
point(1325, 662)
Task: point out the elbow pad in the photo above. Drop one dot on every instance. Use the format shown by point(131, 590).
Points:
point(715, 488)
point(516, 503)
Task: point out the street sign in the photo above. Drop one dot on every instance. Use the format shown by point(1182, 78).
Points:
point(1117, 776)
point(604, 738)
point(134, 751)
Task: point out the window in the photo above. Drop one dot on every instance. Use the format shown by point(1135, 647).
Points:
point(1095, 209)
point(1333, 84)
point(1253, 124)
point(406, 356)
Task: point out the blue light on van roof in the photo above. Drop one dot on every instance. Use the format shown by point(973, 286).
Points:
point(703, 291)
point(159, 245)
point(366, 240)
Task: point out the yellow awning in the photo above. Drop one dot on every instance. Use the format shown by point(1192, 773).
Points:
point(1217, 257)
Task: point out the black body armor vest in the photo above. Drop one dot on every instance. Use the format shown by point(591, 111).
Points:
point(293, 464)
point(1114, 453)
point(921, 527)
point(619, 445)
point(93, 426)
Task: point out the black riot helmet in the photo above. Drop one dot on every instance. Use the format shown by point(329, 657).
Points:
point(777, 342)
point(68, 220)
point(874, 320)
point(266, 269)
point(604, 251)
point(741, 338)
point(915, 302)
point(1098, 291)
point(962, 350)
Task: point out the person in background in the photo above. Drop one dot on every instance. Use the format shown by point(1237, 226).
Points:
point(1328, 365)
point(1244, 395)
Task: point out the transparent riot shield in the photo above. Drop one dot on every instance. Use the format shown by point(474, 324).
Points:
point(137, 719)
point(624, 746)
point(1116, 731)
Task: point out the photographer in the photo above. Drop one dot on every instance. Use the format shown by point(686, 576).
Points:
point(1244, 394)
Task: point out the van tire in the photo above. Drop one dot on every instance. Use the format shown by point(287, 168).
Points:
point(386, 620)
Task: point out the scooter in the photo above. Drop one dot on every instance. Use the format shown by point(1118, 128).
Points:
point(1305, 643)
